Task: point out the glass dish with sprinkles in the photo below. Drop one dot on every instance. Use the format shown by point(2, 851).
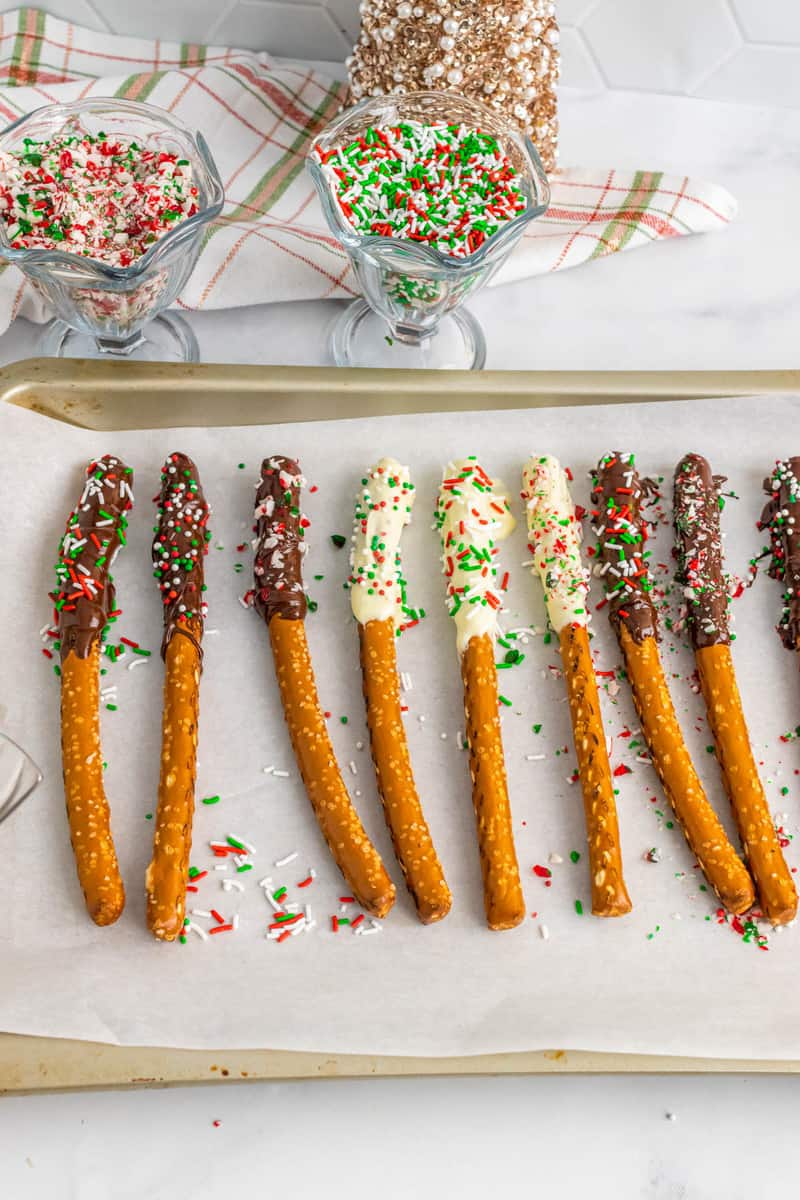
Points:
point(449, 187)
point(102, 205)
point(428, 193)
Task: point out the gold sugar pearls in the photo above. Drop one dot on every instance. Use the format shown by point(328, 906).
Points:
point(501, 52)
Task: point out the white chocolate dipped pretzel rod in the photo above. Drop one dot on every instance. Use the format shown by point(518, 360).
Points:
point(555, 538)
point(472, 516)
point(377, 593)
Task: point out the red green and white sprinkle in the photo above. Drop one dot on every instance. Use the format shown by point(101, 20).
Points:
point(449, 187)
point(472, 515)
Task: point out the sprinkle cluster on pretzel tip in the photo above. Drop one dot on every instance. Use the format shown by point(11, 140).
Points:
point(382, 510)
point(554, 540)
point(617, 494)
point(84, 597)
point(781, 516)
point(472, 515)
point(279, 542)
point(697, 503)
point(179, 548)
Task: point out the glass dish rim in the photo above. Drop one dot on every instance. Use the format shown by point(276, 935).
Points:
point(427, 254)
point(140, 266)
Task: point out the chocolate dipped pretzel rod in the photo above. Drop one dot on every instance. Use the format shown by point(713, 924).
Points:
point(554, 540)
point(179, 548)
point(377, 594)
point(84, 600)
point(280, 599)
point(472, 515)
point(700, 561)
point(622, 562)
point(781, 516)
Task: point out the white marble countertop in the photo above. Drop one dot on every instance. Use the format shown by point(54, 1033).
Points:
point(730, 301)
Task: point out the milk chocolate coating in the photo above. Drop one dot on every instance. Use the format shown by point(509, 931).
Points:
point(699, 548)
point(277, 569)
point(179, 548)
point(781, 516)
point(622, 534)
point(94, 533)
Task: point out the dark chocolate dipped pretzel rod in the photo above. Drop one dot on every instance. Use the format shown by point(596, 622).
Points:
point(280, 599)
point(700, 559)
point(622, 531)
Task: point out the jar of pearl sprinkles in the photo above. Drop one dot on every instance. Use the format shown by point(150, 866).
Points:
point(502, 52)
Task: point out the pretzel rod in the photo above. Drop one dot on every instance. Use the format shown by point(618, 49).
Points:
point(623, 533)
point(84, 600)
point(472, 514)
point(377, 593)
point(701, 826)
point(554, 541)
point(700, 561)
point(179, 547)
point(279, 598)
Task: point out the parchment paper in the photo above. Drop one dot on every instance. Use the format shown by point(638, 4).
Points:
point(666, 979)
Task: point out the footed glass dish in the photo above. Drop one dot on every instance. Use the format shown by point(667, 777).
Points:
point(114, 310)
point(411, 312)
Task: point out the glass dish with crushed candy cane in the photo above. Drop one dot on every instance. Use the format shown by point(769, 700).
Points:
point(102, 206)
point(101, 197)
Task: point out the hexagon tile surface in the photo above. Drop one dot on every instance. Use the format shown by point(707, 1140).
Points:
point(665, 47)
point(758, 75)
point(742, 50)
point(292, 29)
point(769, 20)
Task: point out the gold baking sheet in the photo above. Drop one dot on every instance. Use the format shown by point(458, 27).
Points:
point(31, 1064)
point(118, 395)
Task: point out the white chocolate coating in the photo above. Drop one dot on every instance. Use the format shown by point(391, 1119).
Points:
point(383, 509)
point(472, 515)
point(554, 536)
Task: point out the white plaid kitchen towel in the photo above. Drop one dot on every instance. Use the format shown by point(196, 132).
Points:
point(271, 242)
